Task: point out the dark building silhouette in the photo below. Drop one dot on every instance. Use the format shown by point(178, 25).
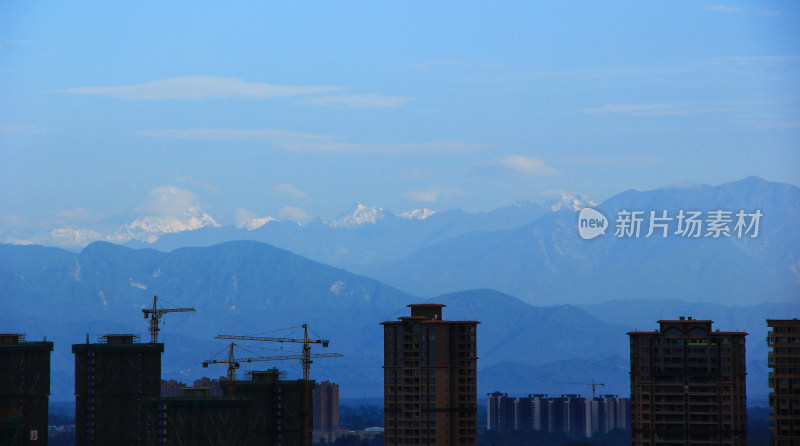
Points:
point(213, 386)
point(688, 385)
point(120, 399)
point(24, 390)
point(326, 410)
point(113, 380)
point(281, 411)
point(195, 418)
point(541, 413)
point(500, 412)
point(172, 387)
point(430, 379)
point(784, 379)
point(610, 412)
point(264, 410)
point(572, 416)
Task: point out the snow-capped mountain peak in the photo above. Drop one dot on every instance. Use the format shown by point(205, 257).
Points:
point(571, 201)
point(150, 228)
point(254, 223)
point(358, 215)
point(417, 214)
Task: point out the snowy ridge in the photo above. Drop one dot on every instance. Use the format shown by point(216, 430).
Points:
point(575, 202)
point(358, 215)
point(254, 223)
point(149, 228)
point(417, 214)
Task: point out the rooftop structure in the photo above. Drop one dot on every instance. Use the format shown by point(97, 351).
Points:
point(688, 385)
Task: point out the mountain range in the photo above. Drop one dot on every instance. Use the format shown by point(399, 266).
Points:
point(362, 235)
point(250, 287)
point(553, 307)
point(546, 262)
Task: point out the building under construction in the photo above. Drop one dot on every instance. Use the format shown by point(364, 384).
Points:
point(119, 399)
point(113, 380)
point(263, 410)
point(24, 390)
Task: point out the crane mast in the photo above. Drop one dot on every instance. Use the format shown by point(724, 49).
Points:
point(305, 359)
point(305, 362)
point(233, 362)
point(155, 315)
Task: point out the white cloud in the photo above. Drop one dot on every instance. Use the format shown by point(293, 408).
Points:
point(516, 166)
point(9, 220)
point(79, 213)
point(638, 110)
point(775, 124)
point(168, 201)
point(723, 8)
point(200, 87)
point(242, 216)
point(748, 60)
point(249, 219)
point(411, 174)
point(294, 213)
point(290, 191)
point(19, 129)
point(770, 12)
point(433, 64)
point(633, 161)
point(367, 100)
point(309, 142)
point(430, 194)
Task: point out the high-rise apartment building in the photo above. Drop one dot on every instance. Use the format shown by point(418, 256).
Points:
point(688, 385)
point(113, 380)
point(569, 415)
point(430, 379)
point(24, 390)
point(610, 412)
point(500, 411)
point(784, 380)
point(326, 410)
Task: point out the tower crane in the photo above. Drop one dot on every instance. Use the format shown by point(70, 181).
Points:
point(305, 358)
point(233, 363)
point(155, 315)
point(592, 384)
point(305, 362)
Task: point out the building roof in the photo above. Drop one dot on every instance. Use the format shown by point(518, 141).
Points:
point(424, 320)
point(685, 321)
point(710, 333)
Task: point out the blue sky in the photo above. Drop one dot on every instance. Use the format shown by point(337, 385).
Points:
point(301, 109)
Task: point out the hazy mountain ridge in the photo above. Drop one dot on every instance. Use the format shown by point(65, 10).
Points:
point(249, 287)
point(364, 235)
point(546, 262)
